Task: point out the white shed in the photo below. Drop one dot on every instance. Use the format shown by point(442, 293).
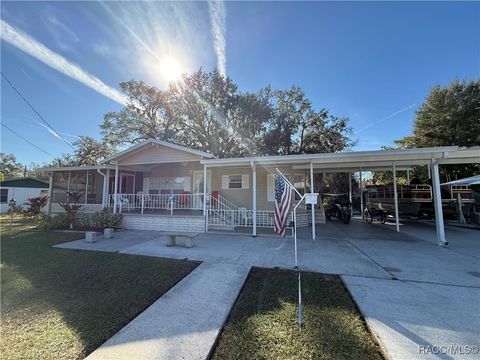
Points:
point(20, 189)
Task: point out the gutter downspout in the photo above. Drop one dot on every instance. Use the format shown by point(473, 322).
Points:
point(104, 197)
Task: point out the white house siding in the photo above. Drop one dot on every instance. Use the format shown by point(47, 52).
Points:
point(21, 195)
point(244, 197)
point(157, 154)
point(175, 170)
point(179, 223)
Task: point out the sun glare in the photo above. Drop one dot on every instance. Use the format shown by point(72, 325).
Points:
point(170, 69)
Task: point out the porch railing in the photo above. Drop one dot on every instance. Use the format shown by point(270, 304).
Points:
point(142, 202)
point(242, 217)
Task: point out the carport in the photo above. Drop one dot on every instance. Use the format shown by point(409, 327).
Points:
point(394, 160)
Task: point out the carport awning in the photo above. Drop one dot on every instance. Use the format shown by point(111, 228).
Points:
point(365, 160)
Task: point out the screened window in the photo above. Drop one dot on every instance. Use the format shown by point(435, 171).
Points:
point(235, 181)
point(4, 196)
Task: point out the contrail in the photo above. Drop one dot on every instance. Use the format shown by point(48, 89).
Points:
point(217, 16)
point(39, 51)
point(385, 118)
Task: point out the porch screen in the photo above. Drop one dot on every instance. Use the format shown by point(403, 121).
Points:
point(167, 184)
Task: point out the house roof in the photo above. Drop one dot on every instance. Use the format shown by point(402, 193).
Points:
point(77, 168)
point(26, 182)
point(148, 142)
point(364, 160)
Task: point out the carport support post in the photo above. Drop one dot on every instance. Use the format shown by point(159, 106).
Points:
point(350, 186)
point(115, 188)
point(204, 190)
point(395, 197)
point(437, 200)
point(361, 194)
point(254, 200)
point(312, 205)
point(50, 194)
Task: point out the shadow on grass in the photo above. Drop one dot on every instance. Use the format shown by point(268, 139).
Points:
point(95, 293)
point(262, 324)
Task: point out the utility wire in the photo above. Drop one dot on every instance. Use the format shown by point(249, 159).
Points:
point(26, 140)
point(36, 112)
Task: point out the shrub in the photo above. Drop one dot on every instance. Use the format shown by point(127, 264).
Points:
point(36, 205)
point(55, 222)
point(101, 219)
point(73, 204)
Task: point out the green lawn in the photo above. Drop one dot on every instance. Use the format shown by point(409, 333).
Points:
point(262, 324)
point(63, 304)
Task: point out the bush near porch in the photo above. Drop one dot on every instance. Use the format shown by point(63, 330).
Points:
point(263, 321)
point(63, 304)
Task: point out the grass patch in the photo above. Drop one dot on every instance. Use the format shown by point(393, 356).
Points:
point(63, 304)
point(262, 324)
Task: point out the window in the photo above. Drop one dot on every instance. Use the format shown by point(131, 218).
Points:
point(4, 196)
point(166, 185)
point(235, 181)
point(297, 180)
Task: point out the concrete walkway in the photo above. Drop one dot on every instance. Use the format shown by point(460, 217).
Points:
point(414, 295)
point(184, 322)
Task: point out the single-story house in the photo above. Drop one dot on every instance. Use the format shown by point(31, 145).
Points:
point(20, 189)
point(158, 185)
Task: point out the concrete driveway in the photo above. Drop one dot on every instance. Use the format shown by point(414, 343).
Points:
point(419, 300)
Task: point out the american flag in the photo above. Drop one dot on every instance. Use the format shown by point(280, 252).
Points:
point(283, 199)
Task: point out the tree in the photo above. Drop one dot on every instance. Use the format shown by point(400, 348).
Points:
point(296, 128)
point(88, 151)
point(206, 111)
point(9, 166)
point(147, 116)
point(449, 116)
point(205, 107)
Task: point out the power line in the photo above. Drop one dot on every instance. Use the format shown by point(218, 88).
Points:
point(26, 140)
point(36, 112)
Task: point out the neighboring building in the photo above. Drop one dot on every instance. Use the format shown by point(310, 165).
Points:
point(163, 186)
point(20, 189)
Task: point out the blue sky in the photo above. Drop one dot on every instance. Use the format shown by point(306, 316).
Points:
point(373, 62)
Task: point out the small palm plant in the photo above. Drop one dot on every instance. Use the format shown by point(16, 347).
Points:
point(72, 205)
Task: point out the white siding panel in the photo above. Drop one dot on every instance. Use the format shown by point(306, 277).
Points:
point(157, 154)
point(245, 181)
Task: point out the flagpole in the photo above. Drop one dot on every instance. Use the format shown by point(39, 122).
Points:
point(302, 197)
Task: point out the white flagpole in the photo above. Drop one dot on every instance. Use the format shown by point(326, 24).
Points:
point(302, 197)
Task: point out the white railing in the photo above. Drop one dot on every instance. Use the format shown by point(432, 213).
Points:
point(415, 192)
point(127, 202)
point(243, 217)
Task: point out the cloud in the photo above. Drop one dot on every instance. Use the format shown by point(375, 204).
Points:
point(39, 51)
point(102, 49)
point(218, 19)
point(395, 113)
point(52, 19)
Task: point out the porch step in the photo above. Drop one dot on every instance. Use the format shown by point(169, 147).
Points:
point(220, 227)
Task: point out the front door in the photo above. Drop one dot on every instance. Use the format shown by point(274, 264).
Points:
point(198, 187)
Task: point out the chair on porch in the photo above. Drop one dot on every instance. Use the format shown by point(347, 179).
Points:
point(245, 215)
point(124, 202)
point(144, 200)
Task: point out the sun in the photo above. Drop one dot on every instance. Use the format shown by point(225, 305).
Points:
point(170, 69)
